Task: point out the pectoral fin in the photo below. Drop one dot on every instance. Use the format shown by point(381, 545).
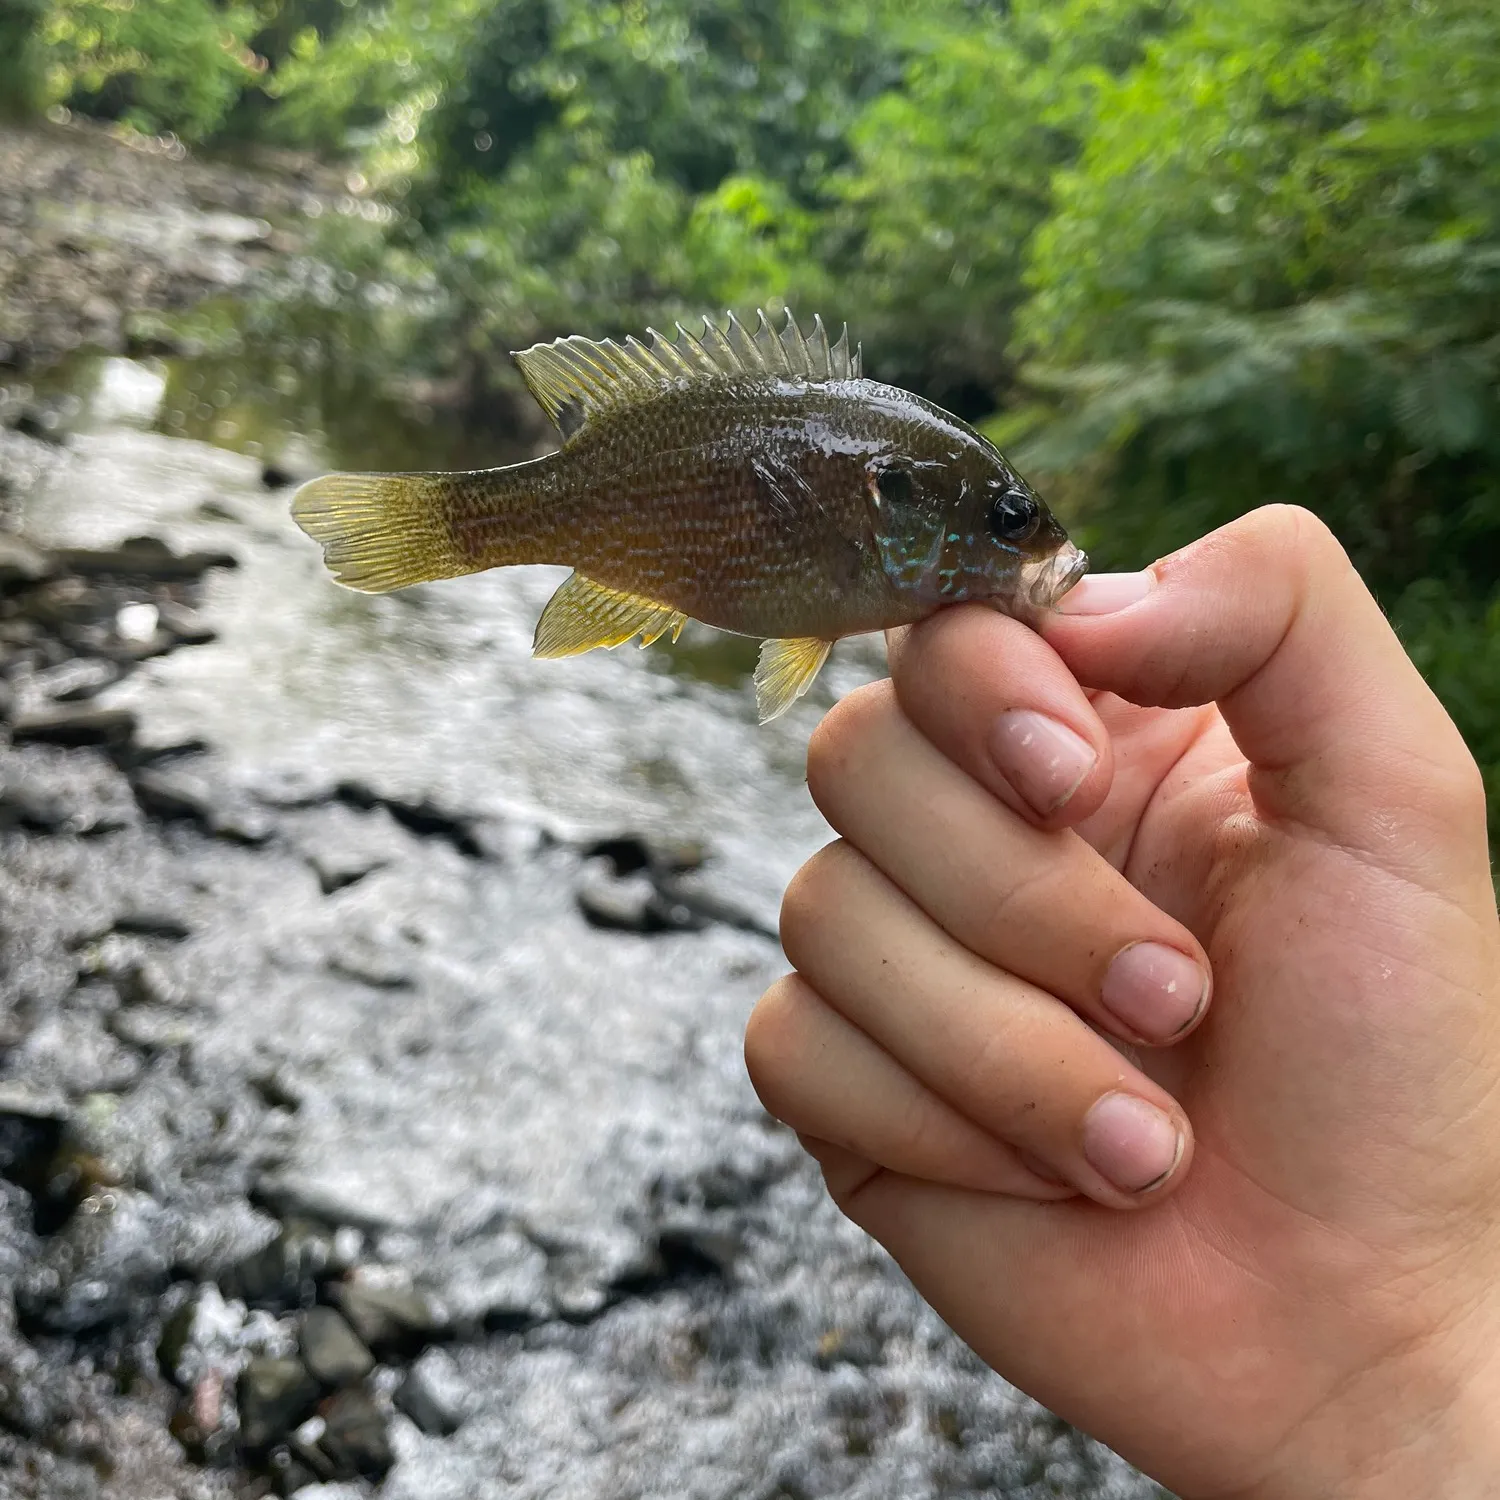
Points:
point(583, 614)
point(786, 671)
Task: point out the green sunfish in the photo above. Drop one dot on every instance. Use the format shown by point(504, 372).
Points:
point(751, 480)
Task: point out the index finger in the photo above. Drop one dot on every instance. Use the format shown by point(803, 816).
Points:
point(996, 699)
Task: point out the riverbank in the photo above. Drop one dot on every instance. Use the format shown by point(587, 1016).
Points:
point(372, 1117)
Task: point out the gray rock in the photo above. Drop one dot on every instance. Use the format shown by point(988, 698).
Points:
point(31, 1130)
point(221, 812)
point(432, 1394)
point(390, 1320)
point(331, 1350)
point(284, 1274)
point(355, 1437)
point(73, 724)
point(141, 557)
point(149, 921)
point(115, 1250)
point(21, 563)
point(274, 1395)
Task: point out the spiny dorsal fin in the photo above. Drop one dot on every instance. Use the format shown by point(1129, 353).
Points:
point(785, 671)
point(583, 614)
point(574, 377)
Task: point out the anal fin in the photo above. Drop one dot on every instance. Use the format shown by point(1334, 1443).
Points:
point(583, 614)
point(785, 671)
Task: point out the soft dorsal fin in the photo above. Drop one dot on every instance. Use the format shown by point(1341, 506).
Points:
point(583, 614)
point(574, 377)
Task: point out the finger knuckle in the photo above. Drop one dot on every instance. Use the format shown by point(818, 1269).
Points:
point(771, 1046)
point(1292, 535)
point(833, 748)
point(1456, 791)
point(811, 896)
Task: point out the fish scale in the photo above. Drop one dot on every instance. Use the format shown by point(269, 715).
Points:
point(756, 482)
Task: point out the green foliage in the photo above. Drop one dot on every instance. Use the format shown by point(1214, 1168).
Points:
point(158, 64)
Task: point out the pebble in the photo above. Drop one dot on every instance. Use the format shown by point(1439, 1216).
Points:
point(331, 1350)
point(432, 1394)
point(141, 557)
point(74, 724)
point(180, 794)
point(390, 1320)
point(355, 1438)
point(21, 563)
point(274, 1396)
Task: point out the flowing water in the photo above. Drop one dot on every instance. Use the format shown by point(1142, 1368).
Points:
point(391, 1023)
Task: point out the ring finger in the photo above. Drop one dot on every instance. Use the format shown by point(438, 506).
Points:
point(1013, 1059)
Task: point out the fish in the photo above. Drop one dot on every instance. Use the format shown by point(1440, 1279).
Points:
point(753, 480)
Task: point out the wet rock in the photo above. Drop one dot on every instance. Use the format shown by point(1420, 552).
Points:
point(113, 1256)
point(432, 1394)
point(141, 557)
point(169, 794)
point(338, 867)
point(303, 1449)
point(355, 1438)
point(629, 903)
point(285, 1274)
point(209, 1338)
point(152, 922)
point(424, 818)
point(185, 626)
point(292, 1475)
point(30, 807)
point(630, 884)
point(74, 724)
point(331, 1350)
point(21, 563)
point(7, 700)
point(679, 1255)
point(149, 1029)
point(273, 1395)
point(390, 1320)
point(32, 1122)
point(79, 680)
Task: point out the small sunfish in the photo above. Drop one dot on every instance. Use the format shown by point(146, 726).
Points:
point(751, 480)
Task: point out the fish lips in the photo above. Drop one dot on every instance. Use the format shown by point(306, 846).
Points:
point(1049, 580)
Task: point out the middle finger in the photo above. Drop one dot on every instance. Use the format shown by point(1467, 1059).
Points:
point(1042, 905)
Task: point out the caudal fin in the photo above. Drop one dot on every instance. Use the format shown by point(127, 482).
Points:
point(383, 531)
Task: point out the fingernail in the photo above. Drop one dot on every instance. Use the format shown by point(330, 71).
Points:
point(1130, 1143)
point(1104, 593)
point(1043, 760)
point(1154, 991)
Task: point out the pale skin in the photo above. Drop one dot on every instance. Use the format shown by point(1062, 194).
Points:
point(1253, 1241)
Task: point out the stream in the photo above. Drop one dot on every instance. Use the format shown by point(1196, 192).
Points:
point(372, 1111)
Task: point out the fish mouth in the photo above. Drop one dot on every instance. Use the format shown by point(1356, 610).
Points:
point(1049, 580)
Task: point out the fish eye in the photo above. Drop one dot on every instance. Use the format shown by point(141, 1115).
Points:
point(894, 486)
point(1014, 516)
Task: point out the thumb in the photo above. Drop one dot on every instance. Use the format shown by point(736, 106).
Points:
point(1268, 619)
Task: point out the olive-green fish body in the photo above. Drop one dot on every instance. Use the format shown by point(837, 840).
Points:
point(756, 483)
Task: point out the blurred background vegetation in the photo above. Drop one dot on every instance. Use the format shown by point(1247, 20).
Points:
point(1179, 257)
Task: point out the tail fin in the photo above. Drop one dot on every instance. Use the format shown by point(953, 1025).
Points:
point(383, 531)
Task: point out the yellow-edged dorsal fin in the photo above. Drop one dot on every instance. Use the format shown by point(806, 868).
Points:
point(785, 671)
point(583, 614)
point(575, 377)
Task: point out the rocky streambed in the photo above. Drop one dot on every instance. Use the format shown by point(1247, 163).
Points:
point(372, 1113)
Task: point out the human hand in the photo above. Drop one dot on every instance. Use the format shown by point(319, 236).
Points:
point(1307, 1303)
